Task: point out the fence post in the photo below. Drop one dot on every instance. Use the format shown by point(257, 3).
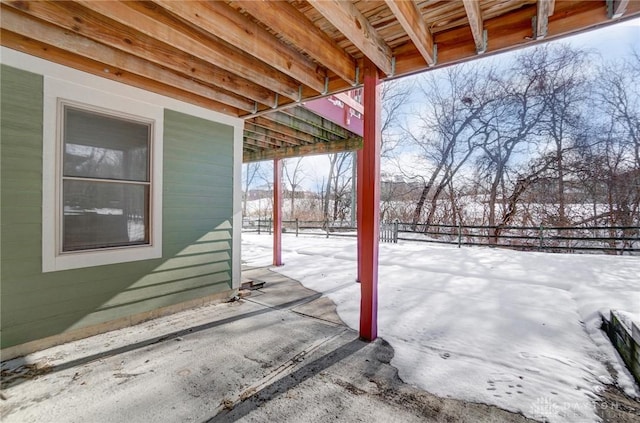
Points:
point(269, 224)
point(297, 227)
point(326, 226)
point(541, 237)
point(459, 235)
point(258, 226)
point(396, 223)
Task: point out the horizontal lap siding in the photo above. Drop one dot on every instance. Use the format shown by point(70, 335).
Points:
point(197, 232)
point(197, 193)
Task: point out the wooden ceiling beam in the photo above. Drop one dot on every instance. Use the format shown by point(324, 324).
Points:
point(150, 21)
point(344, 97)
point(474, 14)
point(307, 116)
point(617, 8)
point(510, 32)
point(229, 25)
point(357, 28)
point(407, 13)
point(46, 33)
point(296, 28)
point(260, 141)
point(266, 136)
point(545, 9)
point(106, 70)
point(350, 144)
point(276, 136)
point(79, 20)
point(292, 134)
point(291, 122)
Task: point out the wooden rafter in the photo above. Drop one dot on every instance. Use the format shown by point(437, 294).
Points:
point(258, 142)
point(261, 141)
point(353, 25)
point(286, 119)
point(203, 52)
point(229, 25)
point(295, 27)
point(617, 8)
point(350, 144)
point(408, 15)
point(284, 140)
point(291, 135)
point(350, 102)
point(107, 70)
point(72, 17)
point(474, 14)
point(307, 116)
point(545, 9)
point(152, 22)
point(45, 33)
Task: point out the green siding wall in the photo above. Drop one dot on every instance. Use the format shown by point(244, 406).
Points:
point(197, 231)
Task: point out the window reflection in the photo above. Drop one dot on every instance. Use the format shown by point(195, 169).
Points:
point(98, 210)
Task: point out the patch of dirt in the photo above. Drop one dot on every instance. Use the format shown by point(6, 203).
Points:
point(24, 371)
point(616, 407)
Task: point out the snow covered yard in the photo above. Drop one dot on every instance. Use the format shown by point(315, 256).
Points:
point(519, 330)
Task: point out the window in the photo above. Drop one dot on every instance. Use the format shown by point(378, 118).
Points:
point(101, 178)
point(105, 180)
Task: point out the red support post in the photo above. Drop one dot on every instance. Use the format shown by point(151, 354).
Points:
point(277, 212)
point(369, 205)
point(359, 188)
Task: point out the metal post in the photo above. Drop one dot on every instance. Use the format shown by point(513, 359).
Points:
point(297, 226)
point(396, 223)
point(259, 226)
point(541, 237)
point(326, 227)
point(459, 235)
point(369, 204)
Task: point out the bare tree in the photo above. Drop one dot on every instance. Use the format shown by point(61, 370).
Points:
point(338, 185)
point(618, 93)
point(249, 172)
point(394, 98)
point(563, 84)
point(265, 176)
point(513, 123)
point(450, 126)
point(294, 175)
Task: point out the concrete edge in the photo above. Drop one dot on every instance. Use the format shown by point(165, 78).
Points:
point(123, 322)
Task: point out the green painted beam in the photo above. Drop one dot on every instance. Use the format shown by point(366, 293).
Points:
point(350, 144)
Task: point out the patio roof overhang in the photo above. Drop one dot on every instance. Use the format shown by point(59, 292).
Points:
point(260, 60)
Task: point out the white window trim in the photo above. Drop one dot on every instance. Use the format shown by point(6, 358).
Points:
point(57, 91)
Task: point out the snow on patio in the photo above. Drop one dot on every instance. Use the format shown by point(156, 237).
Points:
point(519, 330)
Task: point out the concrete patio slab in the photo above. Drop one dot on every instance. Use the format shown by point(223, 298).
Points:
point(280, 354)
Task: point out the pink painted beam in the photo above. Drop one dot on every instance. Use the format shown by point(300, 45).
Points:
point(369, 205)
point(335, 109)
point(277, 212)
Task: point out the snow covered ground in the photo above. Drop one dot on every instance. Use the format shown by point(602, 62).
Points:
point(519, 330)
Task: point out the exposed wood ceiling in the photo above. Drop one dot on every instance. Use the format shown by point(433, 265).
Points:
point(256, 59)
